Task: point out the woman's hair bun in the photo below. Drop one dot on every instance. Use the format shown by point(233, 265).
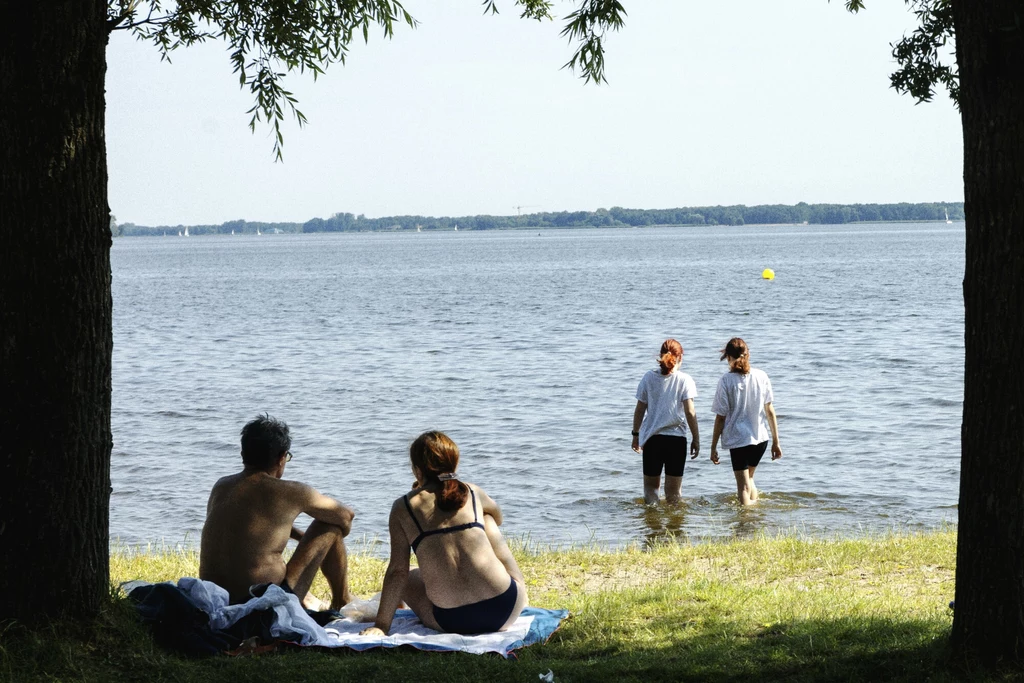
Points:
point(433, 453)
point(670, 355)
point(736, 350)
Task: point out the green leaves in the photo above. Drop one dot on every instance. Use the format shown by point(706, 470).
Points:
point(270, 95)
point(268, 39)
point(532, 9)
point(921, 64)
point(587, 27)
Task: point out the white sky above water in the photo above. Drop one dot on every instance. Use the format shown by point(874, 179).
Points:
point(746, 102)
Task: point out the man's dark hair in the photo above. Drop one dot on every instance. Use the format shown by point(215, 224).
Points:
point(264, 439)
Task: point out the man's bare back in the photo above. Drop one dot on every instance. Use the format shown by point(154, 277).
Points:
point(250, 517)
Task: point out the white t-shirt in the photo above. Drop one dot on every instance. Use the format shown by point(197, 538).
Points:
point(664, 396)
point(741, 399)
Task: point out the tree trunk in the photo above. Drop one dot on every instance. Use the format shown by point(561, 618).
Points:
point(988, 622)
point(55, 310)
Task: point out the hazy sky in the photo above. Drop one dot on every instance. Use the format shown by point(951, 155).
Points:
point(746, 102)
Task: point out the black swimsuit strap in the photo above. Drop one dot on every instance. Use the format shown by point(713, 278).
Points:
point(451, 529)
point(475, 524)
point(409, 508)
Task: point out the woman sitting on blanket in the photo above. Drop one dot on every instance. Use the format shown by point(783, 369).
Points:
point(467, 581)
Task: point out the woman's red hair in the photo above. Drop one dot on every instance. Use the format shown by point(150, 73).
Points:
point(737, 351)
point(433, 453)
point(671, 355)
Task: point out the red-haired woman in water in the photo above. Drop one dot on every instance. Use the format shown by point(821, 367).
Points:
point(664, 407)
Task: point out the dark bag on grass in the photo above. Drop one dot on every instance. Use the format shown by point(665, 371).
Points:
point(177, 623)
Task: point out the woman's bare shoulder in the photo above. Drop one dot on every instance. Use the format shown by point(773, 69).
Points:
point(406, 499)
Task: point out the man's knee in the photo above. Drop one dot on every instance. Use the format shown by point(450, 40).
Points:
point(318, 528)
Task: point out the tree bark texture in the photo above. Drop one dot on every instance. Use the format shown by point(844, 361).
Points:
point(55, 310)
point(988, 622)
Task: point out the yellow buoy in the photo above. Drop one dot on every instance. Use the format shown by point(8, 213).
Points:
point(768, 274)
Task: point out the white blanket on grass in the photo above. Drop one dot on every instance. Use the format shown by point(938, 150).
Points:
point(534, 625)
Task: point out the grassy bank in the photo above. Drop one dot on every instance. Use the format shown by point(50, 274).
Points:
point(761, 609)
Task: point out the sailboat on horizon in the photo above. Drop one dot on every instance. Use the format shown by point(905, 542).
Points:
point(948, 222)
point(186, 231)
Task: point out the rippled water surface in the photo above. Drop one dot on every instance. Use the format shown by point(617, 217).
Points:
point(526, 348)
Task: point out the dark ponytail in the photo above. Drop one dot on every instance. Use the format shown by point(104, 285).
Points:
point(452, 495)
point(736, 350)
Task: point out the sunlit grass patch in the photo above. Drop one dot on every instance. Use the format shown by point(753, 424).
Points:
point(765, 608)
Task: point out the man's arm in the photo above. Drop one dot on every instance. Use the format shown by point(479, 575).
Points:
point(326, 509)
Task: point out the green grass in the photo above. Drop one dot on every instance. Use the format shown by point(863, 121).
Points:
point(785, 609)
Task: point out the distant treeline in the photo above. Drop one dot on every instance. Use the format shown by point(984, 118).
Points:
point(764, 214)
point(239, 227)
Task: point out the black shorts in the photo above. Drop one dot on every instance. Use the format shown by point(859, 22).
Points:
point(747, 456)
point(664, 450)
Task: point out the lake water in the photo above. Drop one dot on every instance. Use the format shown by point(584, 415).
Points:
point(526, 348)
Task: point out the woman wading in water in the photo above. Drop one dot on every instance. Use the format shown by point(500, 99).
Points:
point(743, 414)
point(467, 581)
point(664, 406)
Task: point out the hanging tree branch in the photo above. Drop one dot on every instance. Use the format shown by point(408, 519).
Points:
point(921, 66)
point(268, 39)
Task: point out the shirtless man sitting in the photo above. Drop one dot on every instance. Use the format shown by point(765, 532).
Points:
point(250, 517)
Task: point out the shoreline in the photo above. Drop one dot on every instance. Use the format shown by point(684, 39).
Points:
point(559, 566)
point(542, 228)
point(366, 544)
